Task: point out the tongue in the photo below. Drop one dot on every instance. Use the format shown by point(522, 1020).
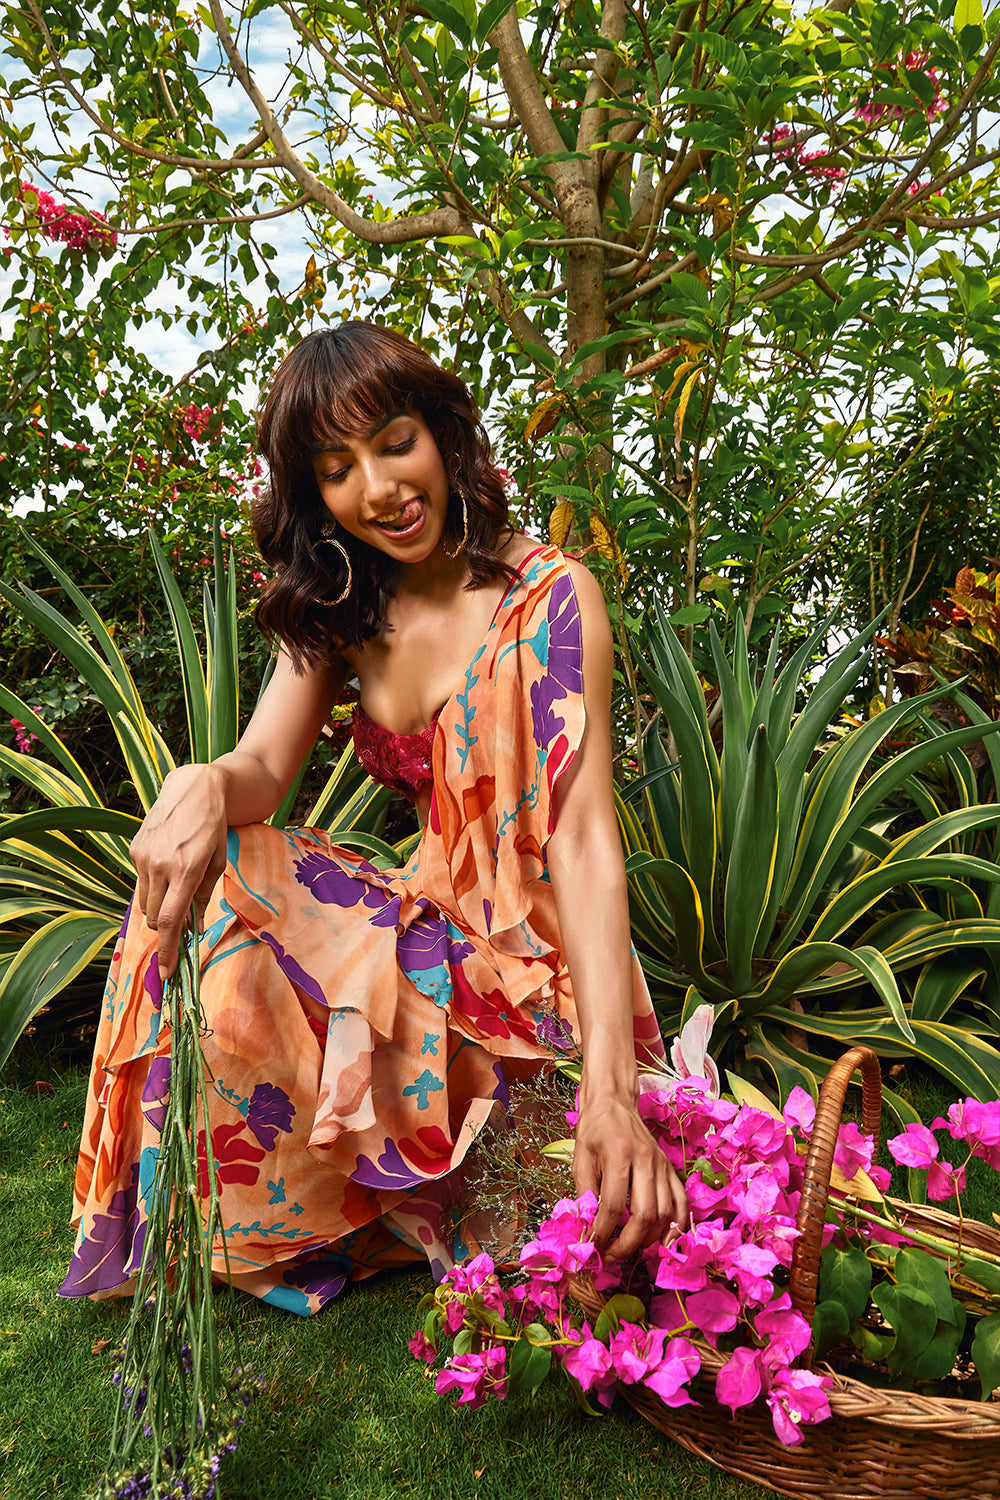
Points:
point(403, 518)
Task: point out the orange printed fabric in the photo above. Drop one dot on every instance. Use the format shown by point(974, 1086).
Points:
point(362, 1026)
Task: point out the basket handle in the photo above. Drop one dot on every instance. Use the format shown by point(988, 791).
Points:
point(819, 1161)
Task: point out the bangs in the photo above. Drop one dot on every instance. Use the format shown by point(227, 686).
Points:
point(346, 391)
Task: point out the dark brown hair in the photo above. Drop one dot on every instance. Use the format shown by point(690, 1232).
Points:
point(338, 381)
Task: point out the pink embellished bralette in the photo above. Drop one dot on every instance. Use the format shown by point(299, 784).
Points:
point(402, 761)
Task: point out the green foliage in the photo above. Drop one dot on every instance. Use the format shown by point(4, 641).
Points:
point(927, 1317)
point(765, 879)
point(347, 1414)
point(66, 877)
point(706, 265)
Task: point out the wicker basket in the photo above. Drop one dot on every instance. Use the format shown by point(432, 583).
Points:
point(891, 1444)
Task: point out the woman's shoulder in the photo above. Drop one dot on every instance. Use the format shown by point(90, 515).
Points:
point(588, 591)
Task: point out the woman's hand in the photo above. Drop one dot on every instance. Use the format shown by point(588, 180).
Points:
point(179, 854)
point(618, 1160)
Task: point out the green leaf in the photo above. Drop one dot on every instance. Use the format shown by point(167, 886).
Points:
point(192, 671)
point(938, 1359)
point(751, 863)
point(619, 1309)
point(846, 1276)
point(527, 1366)
point(919, 1271)
point(872, 1344)
point(984, 1273)
point(912, 1317)
point(734, 59)
point(489, 14)
point(968, 13)
point(986, 1354)
point(831, 1323)
point(452, 17)
point(223, 683)
point(47, 962)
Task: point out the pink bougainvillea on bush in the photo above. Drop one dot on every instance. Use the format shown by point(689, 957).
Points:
point(83, 232)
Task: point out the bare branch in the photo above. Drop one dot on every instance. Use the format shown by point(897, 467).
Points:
point(402, 231)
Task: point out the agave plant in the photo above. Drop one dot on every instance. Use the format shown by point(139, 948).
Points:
point(65, 874)
point(772, 880)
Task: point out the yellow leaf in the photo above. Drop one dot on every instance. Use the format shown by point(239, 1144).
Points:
point(682, 405)
point(560, 522)
point(604, 541)
point(543, 418)
point(746, 1093)
point(311, 270)
point(559, 1150)
point(679, 374)
point(858, 1186)
point(722, 212)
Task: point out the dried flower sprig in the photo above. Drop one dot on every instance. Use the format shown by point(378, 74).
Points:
point(176, 1415)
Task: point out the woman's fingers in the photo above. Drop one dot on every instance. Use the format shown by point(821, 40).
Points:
point(637, 1189)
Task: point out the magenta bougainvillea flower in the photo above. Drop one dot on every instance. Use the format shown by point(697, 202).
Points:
point(721, 1281)
point(79, 231)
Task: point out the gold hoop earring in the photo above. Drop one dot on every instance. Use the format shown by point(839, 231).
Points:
point(331, 541)
point(454, 551)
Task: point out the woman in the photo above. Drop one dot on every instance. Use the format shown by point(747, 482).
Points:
point(364, 1026)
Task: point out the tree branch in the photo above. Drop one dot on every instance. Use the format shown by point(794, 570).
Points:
point(165, 158)
point(430, 225)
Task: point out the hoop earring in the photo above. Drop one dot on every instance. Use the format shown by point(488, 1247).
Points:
point(331, 541)
point(454, 551)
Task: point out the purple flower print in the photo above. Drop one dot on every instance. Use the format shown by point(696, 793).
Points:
point(270, 1110)
point(330, 883)
point(324, 1278)
point(155, 1092)
point(152, 983)
point(565, 637)
point(294, 971)
point(390, 1172)
point(111, 1252)
point(545, 723)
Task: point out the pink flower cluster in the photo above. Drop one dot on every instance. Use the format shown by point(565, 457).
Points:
point(23, 738)
point(79, 231)
point(969, 1120)
point(914, 62)
point(785, 147)
point(722, 1281)
point(195, 420)
point(716, 1280)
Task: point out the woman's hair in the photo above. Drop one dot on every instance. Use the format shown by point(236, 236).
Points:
point(336, 382)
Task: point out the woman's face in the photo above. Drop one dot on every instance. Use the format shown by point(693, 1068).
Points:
point(388, 486)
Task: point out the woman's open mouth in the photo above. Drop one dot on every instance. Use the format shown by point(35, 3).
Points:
point(404, 522)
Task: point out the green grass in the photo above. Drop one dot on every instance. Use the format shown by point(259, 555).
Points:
point(347, 1414)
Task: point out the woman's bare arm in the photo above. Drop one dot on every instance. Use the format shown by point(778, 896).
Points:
point(180, 850)
point(615, 1155)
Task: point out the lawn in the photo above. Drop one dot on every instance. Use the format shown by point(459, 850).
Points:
point(347, 1414)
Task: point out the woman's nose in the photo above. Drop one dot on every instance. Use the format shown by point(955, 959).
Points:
point(379, 482)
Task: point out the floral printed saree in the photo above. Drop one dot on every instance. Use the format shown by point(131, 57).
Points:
point(363, 1026)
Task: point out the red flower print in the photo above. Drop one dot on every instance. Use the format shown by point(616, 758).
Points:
point(235, 1156)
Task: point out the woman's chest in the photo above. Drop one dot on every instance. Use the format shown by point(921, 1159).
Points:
point(419, 661)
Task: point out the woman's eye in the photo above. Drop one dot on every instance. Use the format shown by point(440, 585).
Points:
point(403, 446)
point(335, 477)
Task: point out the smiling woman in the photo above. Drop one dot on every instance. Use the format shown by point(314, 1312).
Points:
point(363, 1024)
